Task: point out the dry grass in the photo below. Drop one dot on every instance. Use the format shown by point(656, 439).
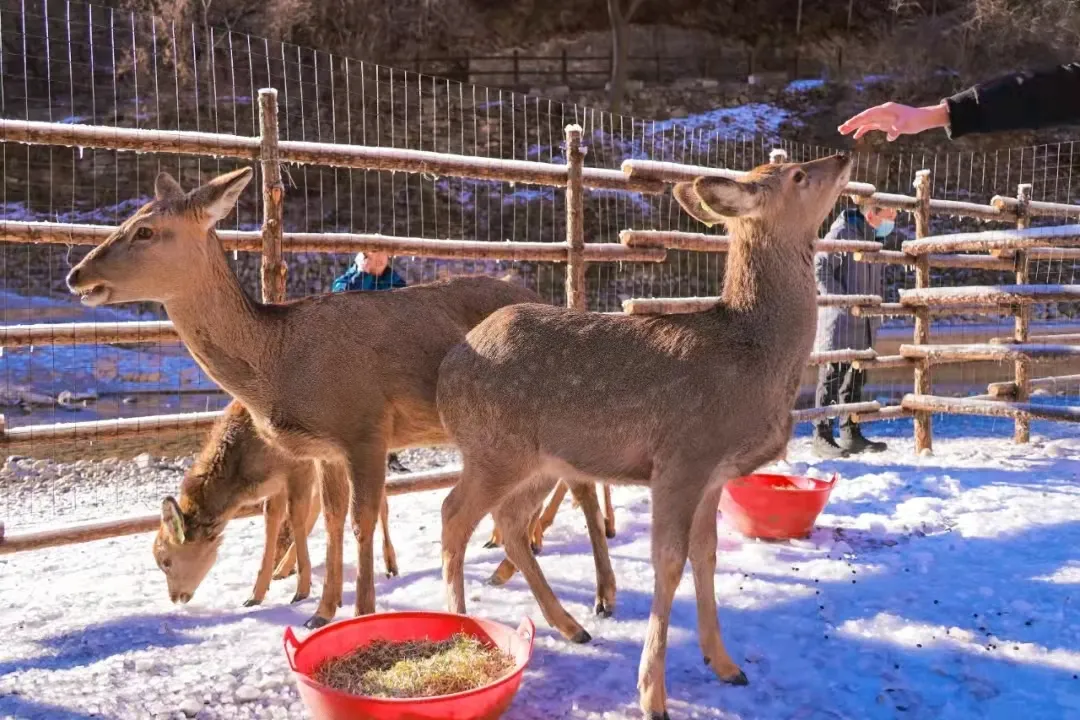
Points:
point(415, 669)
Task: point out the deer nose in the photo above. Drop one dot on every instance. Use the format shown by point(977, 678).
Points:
point(73, 278)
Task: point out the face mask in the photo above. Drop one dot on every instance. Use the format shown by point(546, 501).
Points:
point(884, 228)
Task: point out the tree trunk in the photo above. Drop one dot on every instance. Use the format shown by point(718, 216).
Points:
point(618, 66)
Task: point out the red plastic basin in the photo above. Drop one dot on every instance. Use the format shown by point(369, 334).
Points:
point(774, 507)
point(341, 638)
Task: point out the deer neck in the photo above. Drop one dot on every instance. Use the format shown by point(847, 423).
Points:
point(769, 282)
point(227, 333)
point(208, 501)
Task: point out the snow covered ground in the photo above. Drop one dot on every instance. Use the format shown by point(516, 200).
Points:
point(934, 587)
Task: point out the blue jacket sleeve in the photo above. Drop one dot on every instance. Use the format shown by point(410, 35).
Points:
point(342, 283)
point(396, 281)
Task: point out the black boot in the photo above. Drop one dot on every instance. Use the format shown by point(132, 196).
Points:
point(852, 440)
point(824, 446)
point(392, 463)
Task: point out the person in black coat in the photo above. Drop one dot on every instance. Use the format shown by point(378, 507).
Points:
point(1020, 101)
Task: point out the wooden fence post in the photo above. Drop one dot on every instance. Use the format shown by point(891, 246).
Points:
point(565, 69)
point(273, 270)
point(575, 222)
point(517, 69)
point(924, 439)
point(273, 267)
point(1022, 313)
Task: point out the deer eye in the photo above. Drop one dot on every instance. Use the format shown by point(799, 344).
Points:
point(144, 233)
point(166, 564)
point(799, 177)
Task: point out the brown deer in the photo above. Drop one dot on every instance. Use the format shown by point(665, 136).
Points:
point(681, 403)
point(337, 378)
point(235, 468)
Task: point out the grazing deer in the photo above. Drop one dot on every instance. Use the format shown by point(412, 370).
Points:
point(235, 468)
point(681, 403)
point(339, 378)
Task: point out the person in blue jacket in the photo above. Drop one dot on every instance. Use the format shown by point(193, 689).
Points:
point(372, 271)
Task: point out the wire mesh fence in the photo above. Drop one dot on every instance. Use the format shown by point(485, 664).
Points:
point(65, 62)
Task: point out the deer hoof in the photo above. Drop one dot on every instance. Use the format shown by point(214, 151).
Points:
point(609, 533)
point(657, 716)
point(581, 637)
point(738, 680)
point(536, 549)
point(391, 571)
point(491, 545)
point(252, 601)
point(315, 622)
point(603, 609)
point(299, 597)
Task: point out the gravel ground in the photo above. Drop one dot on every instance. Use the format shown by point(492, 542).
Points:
point(36, 492)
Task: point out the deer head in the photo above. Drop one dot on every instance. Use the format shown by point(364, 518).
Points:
point(184, 559)
point(790, 199)
point(150, 255)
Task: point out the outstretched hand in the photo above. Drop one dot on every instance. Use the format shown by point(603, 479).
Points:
point(895, 120)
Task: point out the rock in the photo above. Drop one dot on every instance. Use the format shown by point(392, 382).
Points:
point(679, 112)
point(144, 461)
point(191, 707)
point(143, 665)
point(708, 83)
point(246, 693)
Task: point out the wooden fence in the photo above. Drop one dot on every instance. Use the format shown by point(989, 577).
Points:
point(520, 70)
point(995, 250)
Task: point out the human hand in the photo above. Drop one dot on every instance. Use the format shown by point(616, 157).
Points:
point(895, 120)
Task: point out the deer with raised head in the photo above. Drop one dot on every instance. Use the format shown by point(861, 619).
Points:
point(235, 468)
point(338, 378)
point(680, 403)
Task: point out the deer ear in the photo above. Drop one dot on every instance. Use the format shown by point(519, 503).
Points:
point(216, 199)
point(165, 188)
point(688, 198)
point(172, 521)
point(728, 198)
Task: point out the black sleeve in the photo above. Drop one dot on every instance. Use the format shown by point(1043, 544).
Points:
point(1022, 101)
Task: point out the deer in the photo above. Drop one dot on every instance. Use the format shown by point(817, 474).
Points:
point(337, 379)
point(679, 403)
point(236, 468)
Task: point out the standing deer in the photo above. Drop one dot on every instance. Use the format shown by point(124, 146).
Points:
point(235, 468)
point(338, 378)
point(681, 403)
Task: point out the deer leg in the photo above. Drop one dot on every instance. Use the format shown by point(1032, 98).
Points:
point(512, 516)
point(273, 513)
point(300, 502)
point(389, 555)
point(609, 513)
point(462, 510)
point(367, 479)
point(703, 564)
point(495, 540)
point(287, 565)
point(585, 494)
point(335, 502)
point(673, 508)
point(548, 516)
point(506, 568)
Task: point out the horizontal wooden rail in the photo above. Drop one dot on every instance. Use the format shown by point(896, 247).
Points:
point(670, 306)
point(1001, 295)
point(942, 207)
point(979, 262)
point(980, 352)
point(1062, 338)
point(990, 408)
point(348, 243)
point(654, 170)
point(826, 357)
point(103, 333)
point(1052, 254)
point(359, 157)
point(833, 411)
point(882, 362)
point(701, 242)
point(1005, 390)
point(891, 412)
point(1064, 235)
point(898, 310)
point(1036, 208)
point(133, 525)
point(54, 433)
